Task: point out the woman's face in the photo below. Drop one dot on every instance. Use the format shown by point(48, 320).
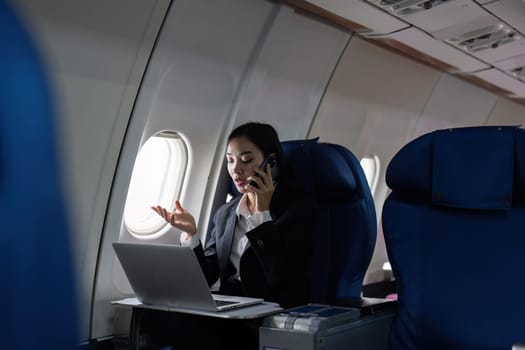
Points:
point(243, 157)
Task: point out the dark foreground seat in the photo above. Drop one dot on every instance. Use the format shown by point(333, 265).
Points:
point(37, 295)
point(454, 232)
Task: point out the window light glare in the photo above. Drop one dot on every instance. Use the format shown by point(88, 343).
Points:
point(156, 180)
point(371, 167)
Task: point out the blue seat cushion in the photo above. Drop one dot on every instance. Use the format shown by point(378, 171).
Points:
point(346, 232)
point(458, 276)
point(453, 228)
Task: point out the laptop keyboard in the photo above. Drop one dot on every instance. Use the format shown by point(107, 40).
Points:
point(219, 302)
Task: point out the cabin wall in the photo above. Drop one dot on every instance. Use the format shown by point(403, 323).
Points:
point(127, 69)
point(215, 66)
point(377, 101)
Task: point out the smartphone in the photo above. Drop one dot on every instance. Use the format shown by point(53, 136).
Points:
point(272, 160)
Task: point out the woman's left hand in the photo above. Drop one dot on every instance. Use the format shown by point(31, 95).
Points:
point(263, 194)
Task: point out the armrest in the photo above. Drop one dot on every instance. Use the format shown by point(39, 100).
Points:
point(370, 306)
point(362, 323)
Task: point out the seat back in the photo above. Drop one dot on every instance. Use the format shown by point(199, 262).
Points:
point(345, 237)
point(37, 290)
point(453, 228)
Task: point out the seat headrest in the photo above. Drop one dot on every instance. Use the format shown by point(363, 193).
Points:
point(322, 169)
point(473, 167)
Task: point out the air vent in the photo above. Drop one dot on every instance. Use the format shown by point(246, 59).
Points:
point(490, 37)
point(408, 7)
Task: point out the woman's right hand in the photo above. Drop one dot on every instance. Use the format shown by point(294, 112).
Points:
point(179, 218)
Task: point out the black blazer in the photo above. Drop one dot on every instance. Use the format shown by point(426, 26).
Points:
point(275, 265)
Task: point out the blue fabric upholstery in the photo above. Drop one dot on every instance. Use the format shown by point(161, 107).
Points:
point(346, 235)
point(37, 294)
point(453, 228)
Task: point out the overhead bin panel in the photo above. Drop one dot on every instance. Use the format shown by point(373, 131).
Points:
point(364, 13)
point(432, 15)
point(403, 8)
point(509, 50)
point(424, 43)
point(510, 11)
point(486, 38)
point(478, 26)
point(514, 66)
point(496, 77)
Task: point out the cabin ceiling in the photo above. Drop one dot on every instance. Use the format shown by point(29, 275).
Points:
point(481, 41)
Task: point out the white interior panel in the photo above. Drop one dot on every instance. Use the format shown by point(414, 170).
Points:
point(509, 11)
point(455, 103)
point(290, 74)
point(423, 42)
point(365, 110)
point(448, 14)
point(461, 28)
point(507, 112)
point(367, 15)
point(503, 80)
point(511, 63)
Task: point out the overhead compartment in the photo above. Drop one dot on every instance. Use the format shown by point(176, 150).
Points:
point(516, 47)
point(486, 38)
point(432, 15)
point(515, 87)
point(514, 66)
point(367, 15)
point(511, 12)
point(424, 43)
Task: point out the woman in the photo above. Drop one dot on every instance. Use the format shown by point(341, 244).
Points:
point(259, 245)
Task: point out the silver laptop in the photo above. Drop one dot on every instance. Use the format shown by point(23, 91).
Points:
point(171, 275)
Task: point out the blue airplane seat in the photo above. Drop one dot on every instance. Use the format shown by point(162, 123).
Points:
point(37, 292)
point(345, 237)
point(453, 228)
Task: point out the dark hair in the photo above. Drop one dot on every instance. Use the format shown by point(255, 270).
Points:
point(266, 139)
point(261, 135)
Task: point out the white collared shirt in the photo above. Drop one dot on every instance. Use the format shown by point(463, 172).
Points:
point(245, 223)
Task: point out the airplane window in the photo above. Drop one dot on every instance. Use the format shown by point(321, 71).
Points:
point(156, 179)
point(371, 167)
